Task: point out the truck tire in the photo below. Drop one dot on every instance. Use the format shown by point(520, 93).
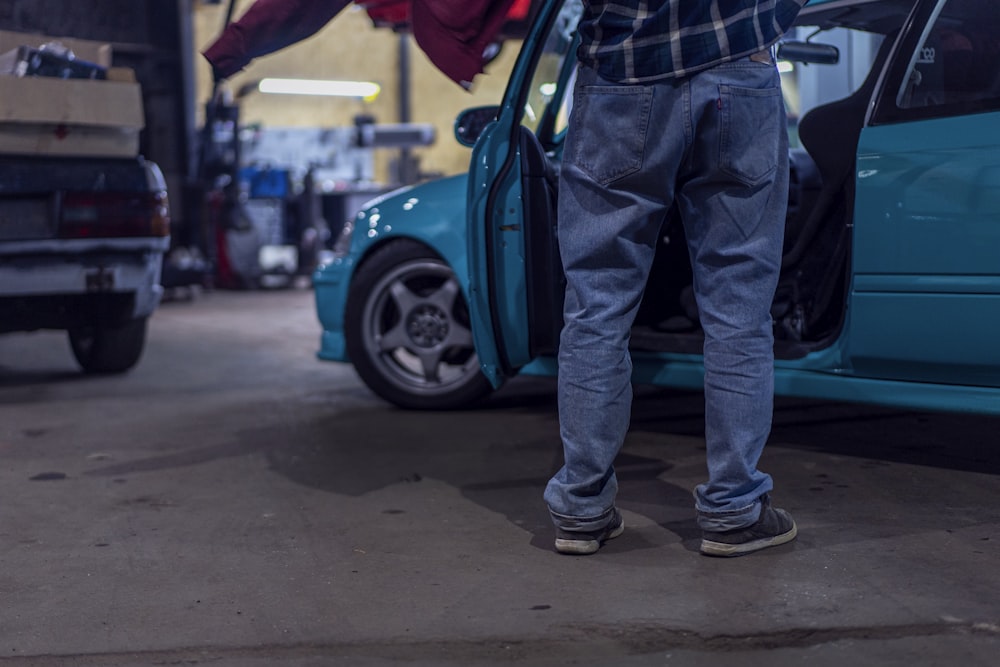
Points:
point(108, 349)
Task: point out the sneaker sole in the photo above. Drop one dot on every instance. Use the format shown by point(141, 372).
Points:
point(586, 547)
point(710, 548)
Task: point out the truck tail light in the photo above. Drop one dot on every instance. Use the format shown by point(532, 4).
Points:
point(106, 215)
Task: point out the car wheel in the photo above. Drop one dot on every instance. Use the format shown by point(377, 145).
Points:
point(108, 349)
point(407, 330)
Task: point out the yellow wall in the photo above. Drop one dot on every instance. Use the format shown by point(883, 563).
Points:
point(350, 48)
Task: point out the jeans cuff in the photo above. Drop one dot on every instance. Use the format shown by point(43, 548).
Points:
point(720, 522)
point(585, 524)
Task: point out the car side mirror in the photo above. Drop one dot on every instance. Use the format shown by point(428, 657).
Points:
point(808, 52)
point(471, 123)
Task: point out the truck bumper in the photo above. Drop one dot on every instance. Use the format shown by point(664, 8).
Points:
point(34, 273)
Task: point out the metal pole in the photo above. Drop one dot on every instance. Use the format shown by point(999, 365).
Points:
point(405, 170)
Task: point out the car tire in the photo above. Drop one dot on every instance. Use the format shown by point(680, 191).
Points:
point(407, 330)
point(108, 349)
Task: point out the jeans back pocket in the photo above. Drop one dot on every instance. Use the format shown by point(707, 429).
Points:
point(608, 138)
point(749, 142)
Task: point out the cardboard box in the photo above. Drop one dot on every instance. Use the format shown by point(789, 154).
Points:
point(68, 141)
point(40, 115)
point(50, 116)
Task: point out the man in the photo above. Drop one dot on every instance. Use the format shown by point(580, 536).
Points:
point(676, 102)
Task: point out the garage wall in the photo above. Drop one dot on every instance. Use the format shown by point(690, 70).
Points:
point(116, 21)
point(162, 40)
point(350, 48)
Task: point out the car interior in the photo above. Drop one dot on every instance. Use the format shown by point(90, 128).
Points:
point(809, 305)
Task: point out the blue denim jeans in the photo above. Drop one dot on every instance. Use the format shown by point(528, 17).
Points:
point(716, 144)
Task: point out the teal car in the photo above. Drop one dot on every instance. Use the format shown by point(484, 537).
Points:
point(890, 285)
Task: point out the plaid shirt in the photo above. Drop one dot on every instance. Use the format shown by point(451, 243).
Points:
point(636, 41)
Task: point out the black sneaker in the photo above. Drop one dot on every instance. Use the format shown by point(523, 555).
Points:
point(774, 527)
point(581, 543)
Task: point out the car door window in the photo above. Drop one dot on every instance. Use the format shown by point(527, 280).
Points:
point(955, 65)
point(550, 90)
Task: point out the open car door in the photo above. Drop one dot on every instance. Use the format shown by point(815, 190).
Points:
point(515, 276)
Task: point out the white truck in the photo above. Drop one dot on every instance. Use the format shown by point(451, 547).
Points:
point(84, 219)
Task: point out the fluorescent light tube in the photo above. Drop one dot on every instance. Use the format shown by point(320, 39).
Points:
point(363, 89)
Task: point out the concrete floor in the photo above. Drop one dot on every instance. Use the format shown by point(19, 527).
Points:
point(235, 502)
